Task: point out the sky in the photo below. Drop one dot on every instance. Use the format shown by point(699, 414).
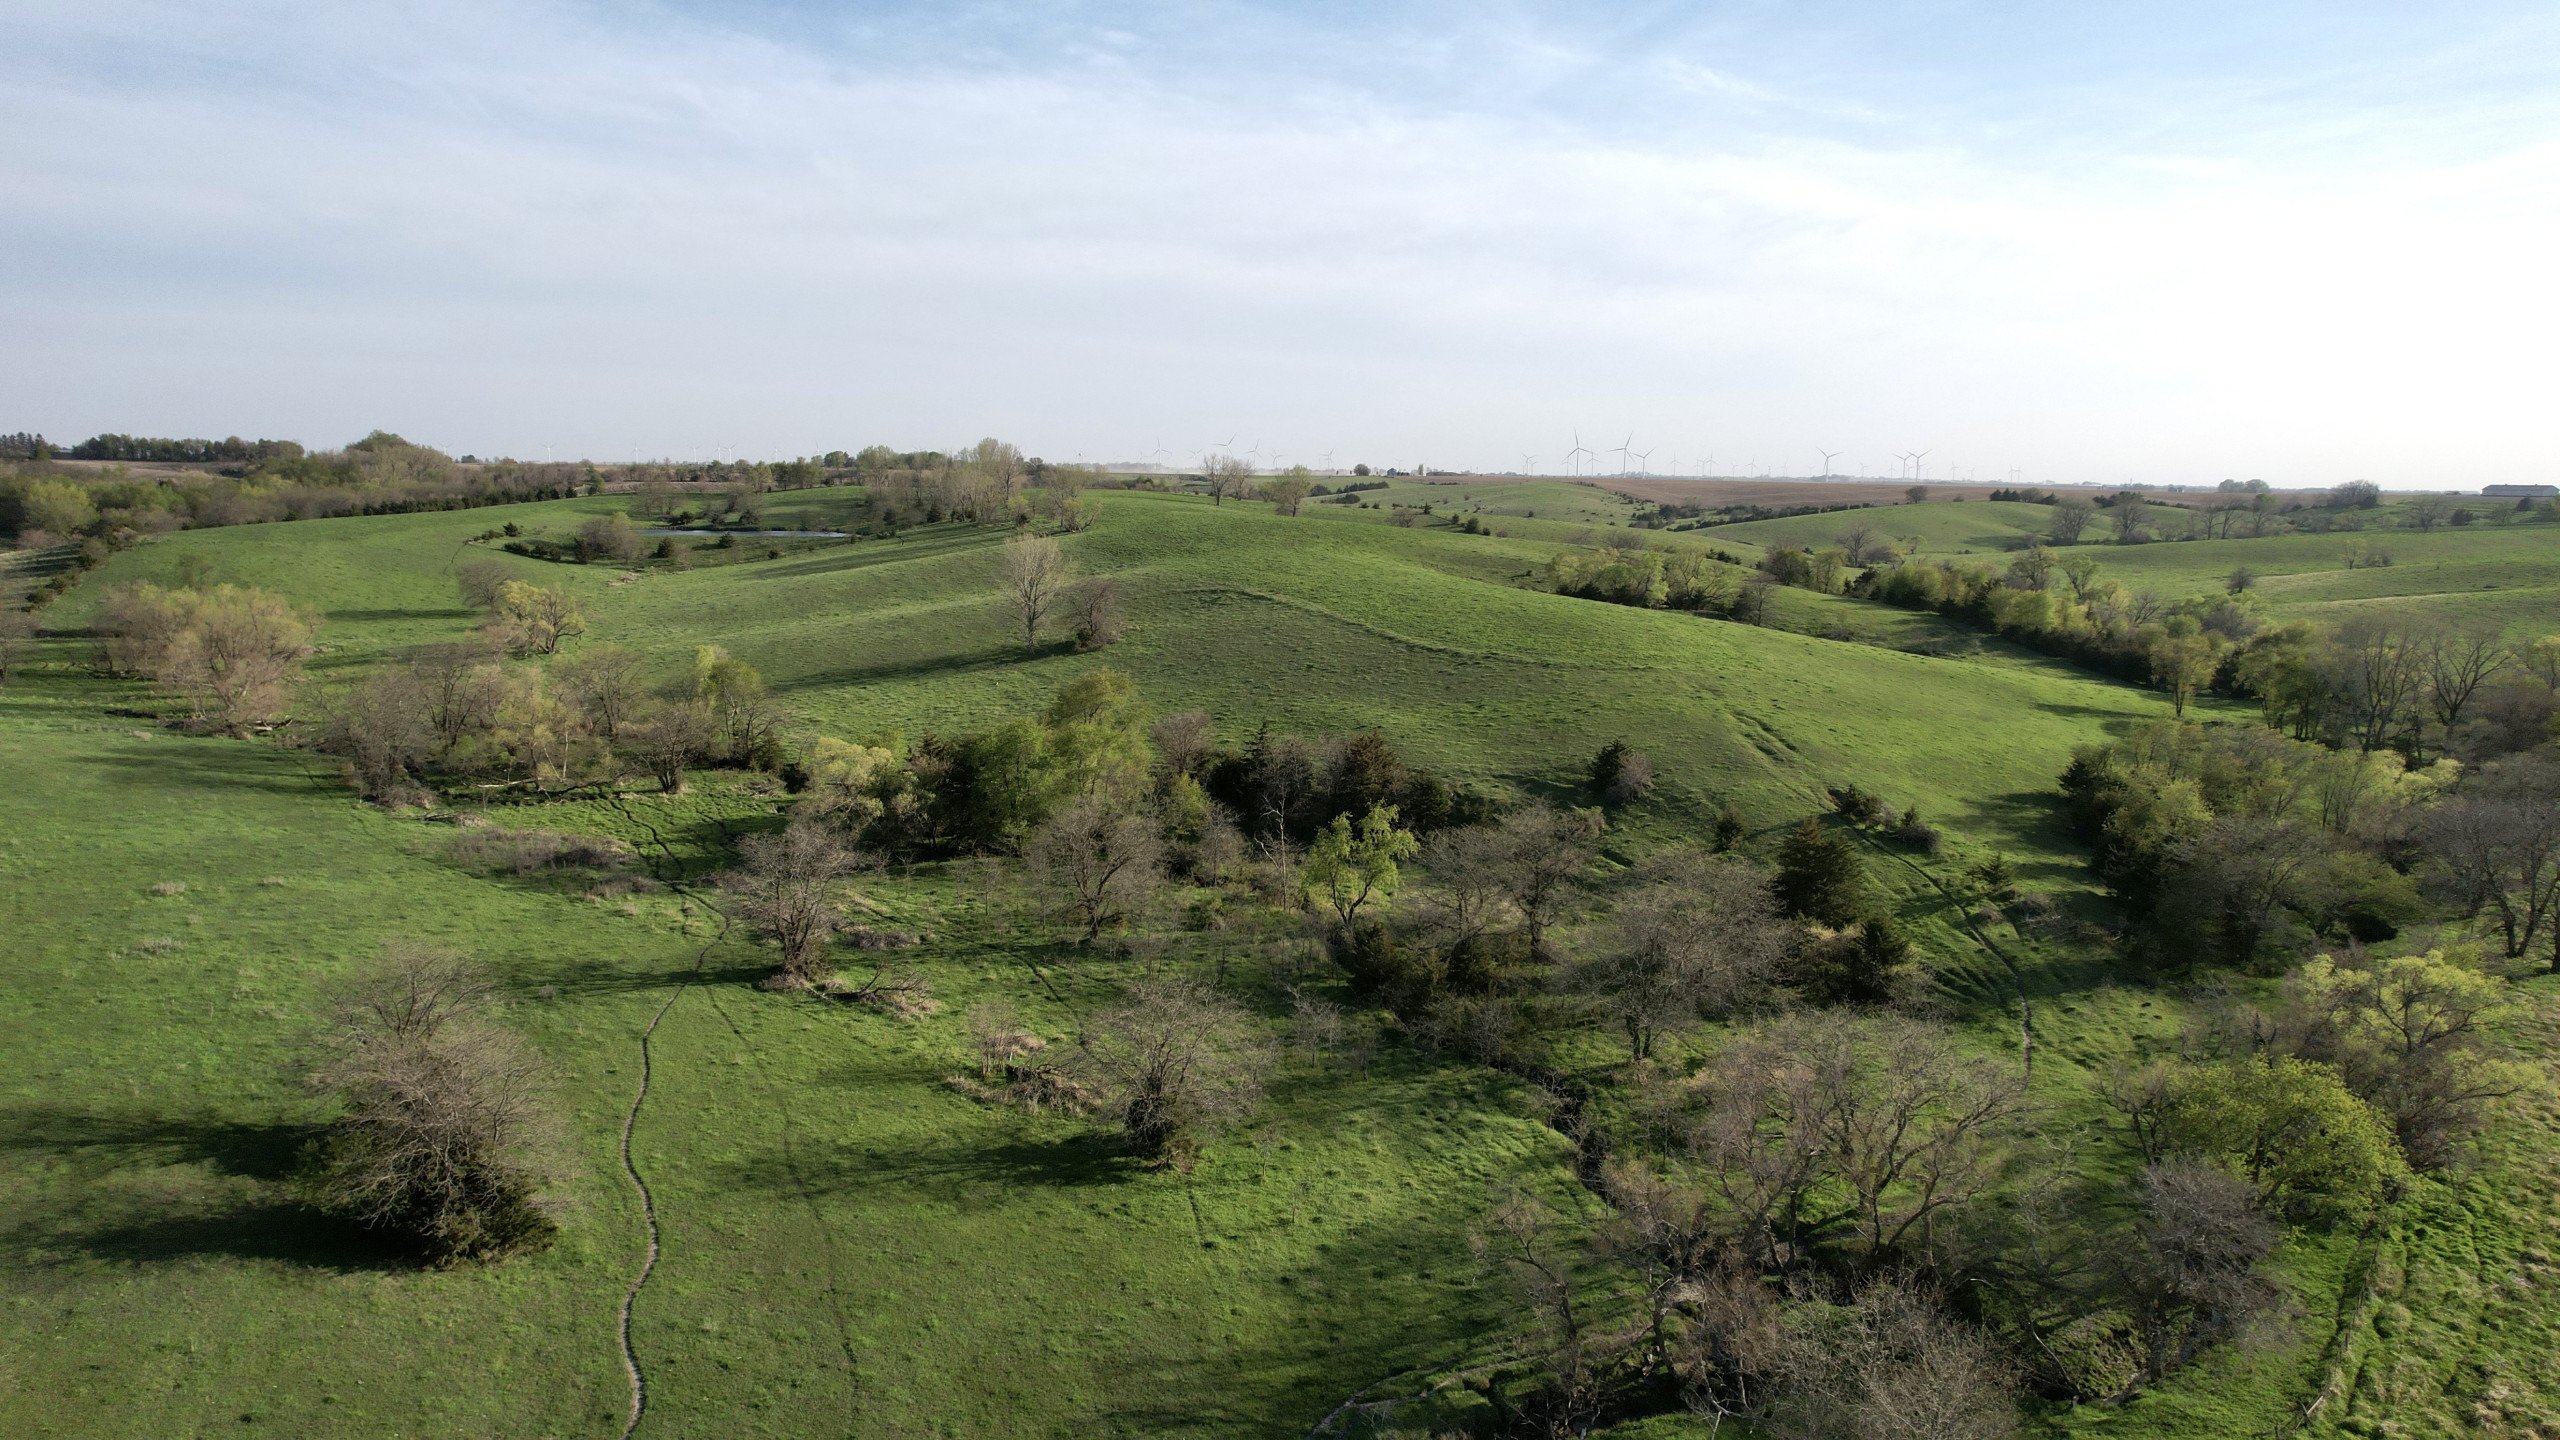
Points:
point(2070, 243)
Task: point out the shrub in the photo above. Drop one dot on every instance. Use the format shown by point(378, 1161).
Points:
point(441, 1112)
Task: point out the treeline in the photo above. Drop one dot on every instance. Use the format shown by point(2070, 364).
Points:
point(152, 448)
point(1633, 573)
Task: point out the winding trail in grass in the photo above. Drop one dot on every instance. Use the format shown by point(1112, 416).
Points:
point(631, 1118)
point(791, 1160)
point(648, 1202)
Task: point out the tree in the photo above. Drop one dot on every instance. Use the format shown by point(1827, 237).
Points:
point(669, 739)
point(1100, 861)
point(1820, 876)
point(1698, 936)
point(536, 619)
point(2499, 841)
point(1093, 611)
point(1855, 1130)
point(2456, 660)
point(437, 1139)
point(2069, 521)
point(2183, 659)
point(1227, 476)
point(478, 583)
point(2373, 676)
point(2230, 880)
point(1036, 573)
point(384, 731)
point(2426, 512)
point(1174, 1060)
point(746, 724)
point(786, 893)
point(604, 683)
point(58, 507)
point(17, 634)
point(1540, 858)
point(2130, 513)
point(1288, 491)
point(2542, 658)
point(1350, 867)
point(1620, 773)
point(608, 537)
point(233, 653)
point(2193, 1273)
point(2410, 1035)
point(1891, 1365)
point(1914, 494)
point(2290, 1127)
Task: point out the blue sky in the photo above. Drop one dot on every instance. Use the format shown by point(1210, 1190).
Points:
point(2165, 242)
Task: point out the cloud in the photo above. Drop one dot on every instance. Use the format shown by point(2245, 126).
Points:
point(511, 227)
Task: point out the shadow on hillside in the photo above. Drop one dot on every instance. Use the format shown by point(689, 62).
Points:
point(967, 1176)
point(102, 1141)
point(363, 616)
point(280, 1231)
point(97, 1144)
point(597, 979)
point(954, 664)
point(235, 767)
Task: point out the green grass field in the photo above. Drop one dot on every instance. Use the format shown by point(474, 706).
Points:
point(853, 1245)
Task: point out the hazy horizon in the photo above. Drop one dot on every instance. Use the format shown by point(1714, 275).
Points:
point(2304, 244)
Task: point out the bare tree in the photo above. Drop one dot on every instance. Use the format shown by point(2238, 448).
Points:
point(1176, 1060)
point(384, 730)
point(2458, 659)
point(1891, 1366)
point(1035, 576)
point(1543, 855)
point(2192, 1275)
point(786, 889)
point(1093, 610)
point(2070, 520)
point(2375, 676)
point(1100, 861)
point(1526, 1238)
point(604, 683)
point(1884, 1109)
point(1699, 935)
point(478, 582)
point(438, 1139)
point(1227, 476)
point(669, 740)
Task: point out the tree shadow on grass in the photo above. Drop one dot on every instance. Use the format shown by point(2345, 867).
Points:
point(234, 767)
point(967, 1176)
point(101, 1141)
point(277, 1230)
point(951, 664)
point(363, 616)
point(269, 1226)
point(597, 979)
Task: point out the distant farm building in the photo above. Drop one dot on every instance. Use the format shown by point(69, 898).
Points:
point(2521, 492)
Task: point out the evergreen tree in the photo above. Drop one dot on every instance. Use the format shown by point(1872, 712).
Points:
point(1819, 875)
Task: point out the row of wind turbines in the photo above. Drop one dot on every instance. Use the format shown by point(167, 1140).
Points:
point(1633, 462)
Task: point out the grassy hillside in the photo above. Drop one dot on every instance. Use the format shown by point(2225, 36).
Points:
point(852, 1245)
point(1937, 528)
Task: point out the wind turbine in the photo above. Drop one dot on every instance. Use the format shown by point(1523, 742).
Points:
point(1573, 457)
point(1328, 462)
point(1621, 451)
point(1827, 457)
point(1528, 464)
point(1916, 457)
point(1641, 456)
